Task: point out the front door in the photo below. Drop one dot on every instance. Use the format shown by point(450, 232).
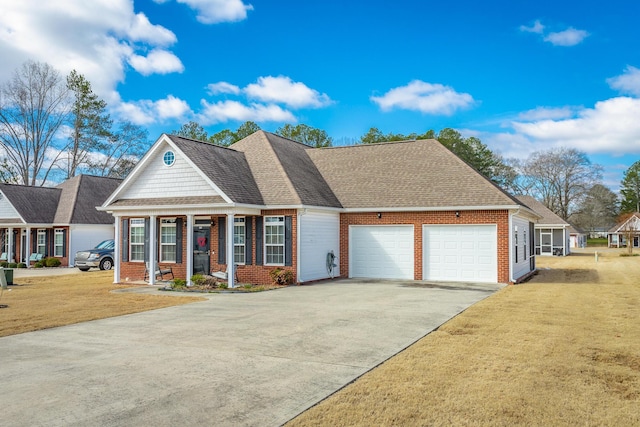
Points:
point(201, 249)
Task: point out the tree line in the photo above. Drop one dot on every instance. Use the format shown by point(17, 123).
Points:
point(38, 105)
point(54, 127)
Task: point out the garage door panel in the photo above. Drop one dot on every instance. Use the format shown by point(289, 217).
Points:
point(381, 252)
point(460, 252)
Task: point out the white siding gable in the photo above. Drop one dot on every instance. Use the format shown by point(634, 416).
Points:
point(6, 209)
point(159, 180)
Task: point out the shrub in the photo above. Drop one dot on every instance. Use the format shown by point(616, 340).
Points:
point(4, 264)
point(12, 265)
point(209, 282)
point(38, 265)
point(22, 265)
point(52, 262)
point(281, 277)
point(223, 285)
point(178, 283)
point(198, 280)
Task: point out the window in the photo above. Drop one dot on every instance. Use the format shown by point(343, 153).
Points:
point(274, 240)
point(168, 240)
point(169, 158)
point(58, 246)
point(136, 239)
point(41, 242)
point(238, 241)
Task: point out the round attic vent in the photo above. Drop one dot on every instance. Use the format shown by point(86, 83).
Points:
point(169, 158)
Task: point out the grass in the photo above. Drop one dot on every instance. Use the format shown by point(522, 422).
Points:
point(562, 350)
point(46, 302)
point(597, 241)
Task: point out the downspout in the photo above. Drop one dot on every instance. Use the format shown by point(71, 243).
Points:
point(116, 250)
point(298, 260)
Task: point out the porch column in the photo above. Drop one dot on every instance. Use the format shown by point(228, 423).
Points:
point(116, 250)
point(231, 273)
point(27, 247)
point(10, 247)
point(189, 249)
point(152, 250)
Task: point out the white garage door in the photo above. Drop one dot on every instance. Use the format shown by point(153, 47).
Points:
point(381, 251)
point(460, 253)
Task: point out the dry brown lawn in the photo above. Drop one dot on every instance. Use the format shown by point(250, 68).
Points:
point(561, 350)
point(46, 302)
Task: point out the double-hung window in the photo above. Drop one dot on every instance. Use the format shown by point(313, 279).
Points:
point(136, 239)
point(58, 244)
point(41, 242)
point(239, 241)
point(274, 240)
point(168, 240)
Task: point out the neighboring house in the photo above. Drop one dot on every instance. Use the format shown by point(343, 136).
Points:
point(621, 233)
point(551, 231)
point(577, 238)
point(404, 210)
point(54, 221)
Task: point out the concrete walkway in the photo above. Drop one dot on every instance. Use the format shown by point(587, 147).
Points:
point(236, 359)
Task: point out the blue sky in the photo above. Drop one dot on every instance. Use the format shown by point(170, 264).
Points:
point(522, 76)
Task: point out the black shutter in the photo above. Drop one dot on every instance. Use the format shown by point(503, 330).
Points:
point(179, 241)
point(125, 241)
point(64, 242)
point(288, 245)
point(49, 242)
point(248, 250)
point(147, 246)
point(222, 231)
point(34, 242)
point(259, 248)
point(532, 239)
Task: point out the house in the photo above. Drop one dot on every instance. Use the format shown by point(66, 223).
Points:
point(577, 238)
point(627, 230)
point(54, 221)
point(402, 210)
point(552, 233)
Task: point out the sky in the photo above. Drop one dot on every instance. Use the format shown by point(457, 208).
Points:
point(523, 76)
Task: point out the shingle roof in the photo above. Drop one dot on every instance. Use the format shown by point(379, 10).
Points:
point(548, 216)
point(285, 173)
point(405, 174)
point(36, 205)
point(635, 216)
point(182, 201)
point(79, 198)
point(227, 168)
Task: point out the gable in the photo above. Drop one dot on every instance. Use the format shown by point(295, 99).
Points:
point(631, 224)
point(7, 211)
point(158, 180)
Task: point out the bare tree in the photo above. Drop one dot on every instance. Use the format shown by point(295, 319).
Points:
point(121, 152)
point(33, 106)
point(559, 178)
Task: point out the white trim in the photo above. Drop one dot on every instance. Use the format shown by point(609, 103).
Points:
point(298, 262)
point(230, 264)
point(511, 265)
point(152, 250)
point(117, 240)
point(189, 251)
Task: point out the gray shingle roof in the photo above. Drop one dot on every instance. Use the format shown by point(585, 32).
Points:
point(79, 198)
point(227, 168)
point(406, 174)
point(548, 216)
point(36, 205)
point(285, 173)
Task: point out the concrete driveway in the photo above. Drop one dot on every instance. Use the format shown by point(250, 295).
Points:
point(236, 359)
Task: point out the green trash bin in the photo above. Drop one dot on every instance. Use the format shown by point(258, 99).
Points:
point(8, 274)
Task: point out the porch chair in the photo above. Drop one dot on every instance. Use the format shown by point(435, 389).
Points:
point(224, 275)
point(3, 257)
point(35, 257)
point(159, 271)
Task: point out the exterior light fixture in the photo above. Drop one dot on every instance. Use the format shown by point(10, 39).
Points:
point(457, 214)
point(379, 215)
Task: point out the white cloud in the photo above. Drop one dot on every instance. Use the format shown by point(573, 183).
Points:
point(628, 82)
point(542, 113)
point(224, 111)
point(145, 111)
point(158, 61)
point(282, 90)
point(223, 87)
point(428, 98)
point(142, 30)
point(612, 127)
point(568, 37)
point(215, 11)
point(537, 28)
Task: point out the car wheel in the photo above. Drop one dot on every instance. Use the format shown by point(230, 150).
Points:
point(83, 268)
point(106, 264)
